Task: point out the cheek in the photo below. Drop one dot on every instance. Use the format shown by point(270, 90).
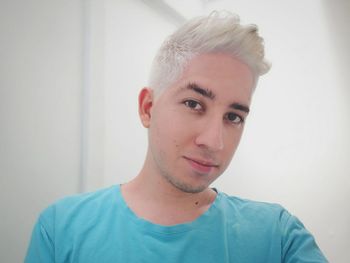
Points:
point(166, 131)
point(232, 142)
point(172, 125)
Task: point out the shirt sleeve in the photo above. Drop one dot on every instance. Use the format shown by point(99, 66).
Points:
point(41, 246)
point(298, 245)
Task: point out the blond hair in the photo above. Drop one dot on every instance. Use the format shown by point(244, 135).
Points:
point(220, 32)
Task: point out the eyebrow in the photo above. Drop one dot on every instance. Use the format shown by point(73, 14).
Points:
point(202, 91)
point(210, 95)
point(241, 107)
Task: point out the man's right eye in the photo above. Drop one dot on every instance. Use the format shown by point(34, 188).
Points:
point(194, 105)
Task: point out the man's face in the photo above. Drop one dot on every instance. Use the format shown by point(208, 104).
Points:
point(196, 124)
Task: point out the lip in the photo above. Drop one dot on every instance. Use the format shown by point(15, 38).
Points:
point(200, 165)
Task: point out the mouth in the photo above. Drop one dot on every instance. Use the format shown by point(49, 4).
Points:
point(201, 166)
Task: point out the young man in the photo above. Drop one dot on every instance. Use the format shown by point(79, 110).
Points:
point(194, 109)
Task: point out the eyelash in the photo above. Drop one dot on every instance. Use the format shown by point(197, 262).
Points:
point(202, 108)
point(240, 119)
point(187, 104)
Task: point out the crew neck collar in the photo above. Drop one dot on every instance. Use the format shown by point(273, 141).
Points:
point(148, 226)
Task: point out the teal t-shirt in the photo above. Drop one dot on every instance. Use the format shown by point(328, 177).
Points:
point(99, 227)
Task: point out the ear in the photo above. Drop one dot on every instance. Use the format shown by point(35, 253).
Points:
point(145, 104)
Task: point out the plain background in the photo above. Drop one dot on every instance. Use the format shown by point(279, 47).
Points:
point(70, 73)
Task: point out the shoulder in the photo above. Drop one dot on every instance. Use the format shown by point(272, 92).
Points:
point(88, 199)
point(69, 222)
point(253, 210)
point(78, 207)
point(267, 222)
point(261, 216)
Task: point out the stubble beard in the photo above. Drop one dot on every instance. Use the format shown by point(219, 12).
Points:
point(181, 185)
point(175, 182)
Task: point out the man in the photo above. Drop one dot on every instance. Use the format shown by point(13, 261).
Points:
point(195, 107)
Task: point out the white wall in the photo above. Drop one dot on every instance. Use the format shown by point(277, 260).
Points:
point(133, 33)
point(70, 72)
point(40, 94)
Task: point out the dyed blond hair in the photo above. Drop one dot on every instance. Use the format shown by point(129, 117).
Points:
point(220, 32)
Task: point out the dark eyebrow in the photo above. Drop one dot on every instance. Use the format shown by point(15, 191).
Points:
point(209, 94)
point(202, 91)
point(238, 106)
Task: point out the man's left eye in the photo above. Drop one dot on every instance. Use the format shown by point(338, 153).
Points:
point(194, 105)
point(234, 118)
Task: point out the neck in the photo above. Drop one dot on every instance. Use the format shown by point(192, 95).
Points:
point(152, 197)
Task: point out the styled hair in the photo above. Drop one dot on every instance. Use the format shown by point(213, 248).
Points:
point(220, 32)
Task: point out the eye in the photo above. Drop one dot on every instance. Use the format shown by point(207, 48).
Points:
point(194, 105)
point(234, 118)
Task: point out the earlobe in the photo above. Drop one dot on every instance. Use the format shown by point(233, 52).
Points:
point(145, 105)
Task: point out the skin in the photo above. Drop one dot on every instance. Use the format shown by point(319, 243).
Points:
point(194, 128)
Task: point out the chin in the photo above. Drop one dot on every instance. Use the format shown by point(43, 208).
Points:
point(189, 188)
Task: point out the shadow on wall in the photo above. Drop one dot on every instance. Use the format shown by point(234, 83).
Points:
point(338, 13)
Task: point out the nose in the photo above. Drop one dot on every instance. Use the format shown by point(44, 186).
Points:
point(211, 135)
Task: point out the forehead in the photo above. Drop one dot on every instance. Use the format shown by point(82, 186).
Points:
point(225, 76)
